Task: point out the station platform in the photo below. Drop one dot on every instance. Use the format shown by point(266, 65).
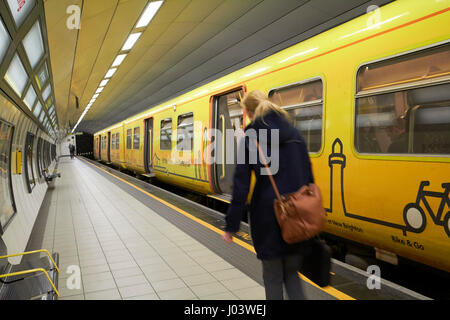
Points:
point(133, 241)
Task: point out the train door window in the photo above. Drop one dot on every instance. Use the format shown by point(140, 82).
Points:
point(117, 141)
point(304, 103)
point(7, 206)
point(185, 132)
point(227, 115)
point(129, 133)
point(113, 141)
point(166, 135)
point(403, 104)
point(136, 138)
point(29, 172)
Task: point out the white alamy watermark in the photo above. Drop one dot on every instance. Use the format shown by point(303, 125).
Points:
point(225, 147)
point(374, 279)
point(73, 282)
point(73, 22)
point(374, 19)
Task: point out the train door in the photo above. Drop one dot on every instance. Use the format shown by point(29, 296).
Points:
point(100, 147)
point(148, 145)
point(109, 147)
point(227, 114)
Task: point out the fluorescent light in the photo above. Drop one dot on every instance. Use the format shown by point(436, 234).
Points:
point(119, 60)
point(110, 72)
point(95, 96)
point(149, 13)
point(92, 101)
point(103, 83)
point(99, 90)
point(131, 41)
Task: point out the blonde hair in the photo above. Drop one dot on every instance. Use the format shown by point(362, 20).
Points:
point(257, 103)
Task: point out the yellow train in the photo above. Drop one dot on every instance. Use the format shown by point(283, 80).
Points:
point(371, 98)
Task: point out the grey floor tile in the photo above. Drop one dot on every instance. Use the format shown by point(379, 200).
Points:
point(177, 294)
point(239, 283)
point(131, 281)
point(199, 279)
point(112, 294)
point(136, 290)
point(75, 297)
point(151, 296)
point(170, 284)
point(161, 275)
point(95, 269)
point(228, 274)
point(128, 272)
point(255, 293)
point(208, 289)
point(221, 296)
point(99, 285)
point(122, 265)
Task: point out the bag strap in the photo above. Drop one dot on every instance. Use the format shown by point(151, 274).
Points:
point(264, 161)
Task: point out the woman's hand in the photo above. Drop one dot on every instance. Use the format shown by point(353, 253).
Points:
point(227, 237)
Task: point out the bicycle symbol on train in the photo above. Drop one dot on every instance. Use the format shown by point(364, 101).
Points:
point(413, 214)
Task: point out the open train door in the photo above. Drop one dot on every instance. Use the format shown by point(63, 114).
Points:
point(227, 114)
point(148, 147)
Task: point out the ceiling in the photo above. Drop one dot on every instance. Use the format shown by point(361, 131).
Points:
point(187, 44)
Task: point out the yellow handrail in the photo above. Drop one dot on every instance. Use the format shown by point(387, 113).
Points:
point(31, 252)
point(31, 271)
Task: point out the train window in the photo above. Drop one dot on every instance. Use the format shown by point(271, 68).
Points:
point(29, 172)
point(7, 206)
point(185, 132)
point(304, 103)
point(129, 133)
point(403, 105)
point(165, 142)
point(113, 141)
point(117, 141)
point(136, 138)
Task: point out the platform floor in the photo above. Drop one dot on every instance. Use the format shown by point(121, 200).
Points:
point(125, 250)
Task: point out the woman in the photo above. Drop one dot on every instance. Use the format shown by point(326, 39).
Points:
point(280, 260)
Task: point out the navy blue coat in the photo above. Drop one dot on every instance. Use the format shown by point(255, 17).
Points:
point(294, 172)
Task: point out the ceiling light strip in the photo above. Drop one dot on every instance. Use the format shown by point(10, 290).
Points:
point(146, 17)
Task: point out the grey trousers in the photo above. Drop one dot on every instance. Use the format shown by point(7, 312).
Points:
point(279, 271)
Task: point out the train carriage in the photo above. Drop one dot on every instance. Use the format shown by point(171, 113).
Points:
point(372, 100)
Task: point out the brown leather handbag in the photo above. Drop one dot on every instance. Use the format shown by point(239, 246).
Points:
point(301, 214)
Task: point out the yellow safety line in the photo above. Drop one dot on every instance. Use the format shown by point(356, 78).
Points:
point(31, 271)
point(330, 290)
